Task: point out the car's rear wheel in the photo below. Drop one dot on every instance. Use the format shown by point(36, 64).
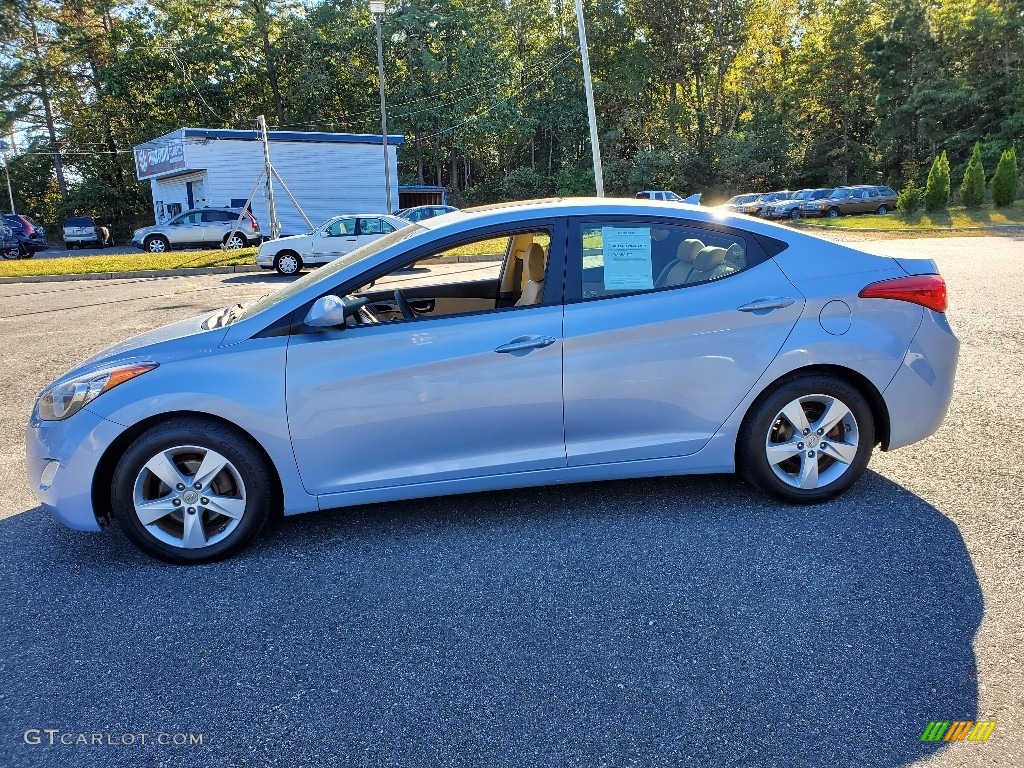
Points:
point(288, 263)
point(157, 244)
point(235, 241)
point(882, 210)
point(832, 213)
point(807, 441)
point(192, 491)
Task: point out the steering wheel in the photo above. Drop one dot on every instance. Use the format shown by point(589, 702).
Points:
point(407, 311)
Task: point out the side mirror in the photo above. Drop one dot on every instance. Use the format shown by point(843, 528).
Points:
point(331, 311)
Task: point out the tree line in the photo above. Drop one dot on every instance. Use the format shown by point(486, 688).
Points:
point(715, 96)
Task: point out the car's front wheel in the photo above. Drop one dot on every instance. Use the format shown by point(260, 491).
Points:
point(192, 490)
point(235, 241)
point(158, 244)
point(794, 214)
point(288, 263)
point(832, 213)
point(807, 441)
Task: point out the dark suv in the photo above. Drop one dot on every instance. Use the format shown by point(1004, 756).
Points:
point(30, 236)
point(846, 200)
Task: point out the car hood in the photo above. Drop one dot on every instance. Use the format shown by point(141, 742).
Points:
point(177, 339)
point(293, 239)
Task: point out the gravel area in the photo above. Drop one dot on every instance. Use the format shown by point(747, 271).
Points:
point(664, 622)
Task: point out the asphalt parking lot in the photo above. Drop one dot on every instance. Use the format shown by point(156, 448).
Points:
point(664, 622)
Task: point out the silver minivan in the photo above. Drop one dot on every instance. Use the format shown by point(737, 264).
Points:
point(201, 228)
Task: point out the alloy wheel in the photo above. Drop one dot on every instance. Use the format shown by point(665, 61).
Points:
point(812, 441)
point(189, 497)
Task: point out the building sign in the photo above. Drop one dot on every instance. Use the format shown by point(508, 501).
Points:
point(157, 159)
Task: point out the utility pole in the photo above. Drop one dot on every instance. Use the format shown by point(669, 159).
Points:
point(588, 85)
point(275, 225)
point(4, 146)
point(377, 8)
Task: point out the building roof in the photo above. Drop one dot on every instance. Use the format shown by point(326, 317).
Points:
point(310, 136)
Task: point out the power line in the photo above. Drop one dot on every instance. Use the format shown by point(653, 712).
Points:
point(345, 119)
point(488, 108)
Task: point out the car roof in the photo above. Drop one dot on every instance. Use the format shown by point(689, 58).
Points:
point(511, 212)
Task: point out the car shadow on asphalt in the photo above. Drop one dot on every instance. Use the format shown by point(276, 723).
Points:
point(676, 621)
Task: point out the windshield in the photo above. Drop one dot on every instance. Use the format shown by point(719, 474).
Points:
point(327, 271)
point(803, 195)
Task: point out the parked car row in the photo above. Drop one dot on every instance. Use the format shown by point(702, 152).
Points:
point(824, 201)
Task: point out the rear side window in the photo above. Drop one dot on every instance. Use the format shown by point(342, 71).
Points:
point(217, 216)
point(370, 227)
point(624, 258)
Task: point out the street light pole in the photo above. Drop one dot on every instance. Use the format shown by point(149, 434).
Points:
point(377, 8)
point(588, 85)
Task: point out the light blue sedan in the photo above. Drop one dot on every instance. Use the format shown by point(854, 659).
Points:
point(611, 339)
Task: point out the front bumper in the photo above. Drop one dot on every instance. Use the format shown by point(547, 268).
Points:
point(812, 213)
point(918, 396)
point(264, 260)
point(76, 444)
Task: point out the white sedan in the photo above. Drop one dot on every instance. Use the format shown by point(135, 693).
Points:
point(335, 237)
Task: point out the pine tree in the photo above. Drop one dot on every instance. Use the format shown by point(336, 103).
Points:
point(936, 191)
point(1006, 178)
point(972, 191)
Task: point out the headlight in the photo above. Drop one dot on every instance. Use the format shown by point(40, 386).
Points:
point(62, 400)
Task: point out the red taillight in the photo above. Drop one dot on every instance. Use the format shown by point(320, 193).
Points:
point(29, 229)
point(926, 290)
point(255, 224)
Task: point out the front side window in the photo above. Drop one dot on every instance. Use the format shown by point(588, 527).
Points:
point(188, 218)
point(625, 258)
point(341, 228)
point(440, 285)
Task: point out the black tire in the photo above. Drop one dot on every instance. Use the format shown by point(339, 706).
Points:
point(794, 214)
point(762, 422)
point(246, 460)
point(157, 244)
point(236, 241)
point(832, 213)
point(882, 210)
point(24, 252)
point(69, 246)
point(288, 263)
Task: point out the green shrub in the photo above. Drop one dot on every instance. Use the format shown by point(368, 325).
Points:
point(1006, 178)
point(972, 191)
point(909, 199)
point(936, 191)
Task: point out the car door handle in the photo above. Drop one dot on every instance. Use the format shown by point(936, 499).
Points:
point(525, 343)
point(766, 304)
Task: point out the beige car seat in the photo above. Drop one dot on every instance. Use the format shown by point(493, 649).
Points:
point(534, 264)
point(675, 272)
point(705, 264)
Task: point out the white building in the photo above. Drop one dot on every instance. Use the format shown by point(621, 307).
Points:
point(328, 173)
